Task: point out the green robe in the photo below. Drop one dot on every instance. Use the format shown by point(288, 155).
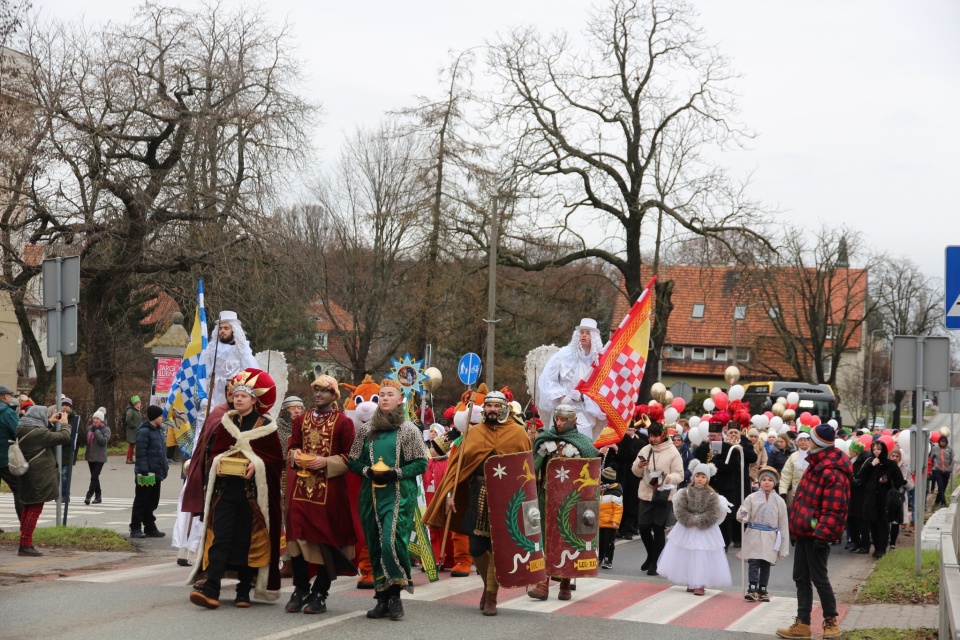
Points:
point(387, 514)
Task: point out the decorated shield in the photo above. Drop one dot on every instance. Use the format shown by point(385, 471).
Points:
point(514, 519)
point(572, 517)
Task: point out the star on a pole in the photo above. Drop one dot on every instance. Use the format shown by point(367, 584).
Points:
point(563, 474)
point(499, 471)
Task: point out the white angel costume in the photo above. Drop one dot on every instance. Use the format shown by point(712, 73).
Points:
point(561, 375)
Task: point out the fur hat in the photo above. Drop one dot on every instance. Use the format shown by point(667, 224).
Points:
point(707, 469)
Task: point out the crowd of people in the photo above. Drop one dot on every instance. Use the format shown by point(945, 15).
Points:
point(346, 491)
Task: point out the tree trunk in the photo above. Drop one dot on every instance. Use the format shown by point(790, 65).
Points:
point(897, 404)
point(662, 307)
point(46, 378)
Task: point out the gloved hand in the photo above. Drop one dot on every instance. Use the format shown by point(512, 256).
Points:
point(386, 476)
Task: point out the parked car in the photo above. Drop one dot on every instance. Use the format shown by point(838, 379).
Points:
point(878, 423)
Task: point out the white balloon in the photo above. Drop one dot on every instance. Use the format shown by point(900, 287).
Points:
point(775, 423)
point(653, 403)
point(782, 430)
point(695, 437)
point(764, 421)
point(670, 416)
point(704, 430)
point(793, 397)
point(843, 445)
point(736, 392)
point(755, 421)
point(694, 422)
point(709, 405)
point(833, 423)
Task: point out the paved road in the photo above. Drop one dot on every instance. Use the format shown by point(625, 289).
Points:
point(150, 594)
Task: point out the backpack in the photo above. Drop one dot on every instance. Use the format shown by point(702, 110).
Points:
point(17, 463)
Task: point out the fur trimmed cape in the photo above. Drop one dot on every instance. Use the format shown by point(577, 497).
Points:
point(699, 507)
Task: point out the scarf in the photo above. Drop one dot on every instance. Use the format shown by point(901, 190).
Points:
point(387, 422)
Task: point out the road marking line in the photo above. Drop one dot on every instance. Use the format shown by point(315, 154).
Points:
point(664, 606)
point(767, 617)
point(127, 574)
point(444, 589)
point(585, 587)
point(289, 633)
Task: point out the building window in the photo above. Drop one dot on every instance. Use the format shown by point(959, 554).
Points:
point(743, 355)
point(774, 312)
point(673, 352)
point(740, 312)
point(827, 366)
point(320, 340)
point(831, 333)
point(698, 309)
point(699, 353)
point(719, 354)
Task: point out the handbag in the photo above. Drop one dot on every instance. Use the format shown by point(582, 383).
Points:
point(661, 496)
point(17, 463)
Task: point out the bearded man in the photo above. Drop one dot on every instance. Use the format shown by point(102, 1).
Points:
point(319, 509)
point(388, 453)
point(229, 348)
point(565, 370)
point(465, 497)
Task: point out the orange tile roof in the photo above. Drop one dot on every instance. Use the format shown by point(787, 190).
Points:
point(720, 290)
point(160, 309)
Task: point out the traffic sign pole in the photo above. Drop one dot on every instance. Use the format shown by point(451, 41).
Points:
point(952, 285)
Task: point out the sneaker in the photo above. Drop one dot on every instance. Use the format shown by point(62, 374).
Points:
point(297, 599)
point(29, 551)
point(752, 596)
point(137, 533)
point(796, 630)
point(316, 604)
point(764, 596)
point(154, 533)
point(242, 601)
point(892, 547)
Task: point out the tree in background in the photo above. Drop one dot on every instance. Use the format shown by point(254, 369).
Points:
point(622, 134)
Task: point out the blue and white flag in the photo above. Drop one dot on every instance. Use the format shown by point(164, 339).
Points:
point(189, 386)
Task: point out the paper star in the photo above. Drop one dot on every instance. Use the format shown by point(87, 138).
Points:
point(563, 474)
point(499, 471)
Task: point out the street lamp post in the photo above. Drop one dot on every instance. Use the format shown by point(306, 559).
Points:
point(491, 318)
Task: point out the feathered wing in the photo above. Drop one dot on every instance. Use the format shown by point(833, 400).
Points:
point(535, 363)
point(275, 363)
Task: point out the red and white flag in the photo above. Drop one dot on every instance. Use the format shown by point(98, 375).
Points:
point(615, 381)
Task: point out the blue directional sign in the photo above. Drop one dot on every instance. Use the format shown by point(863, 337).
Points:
point(469, 369)
point(952, 281)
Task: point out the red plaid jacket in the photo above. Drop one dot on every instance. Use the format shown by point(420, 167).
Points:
point(820, 506)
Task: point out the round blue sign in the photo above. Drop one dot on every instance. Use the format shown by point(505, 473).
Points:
point(469, 369)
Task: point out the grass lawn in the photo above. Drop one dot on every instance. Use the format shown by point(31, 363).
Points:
point(79, 538)
point(4, 487)
point(894, 580)
point(891, 634)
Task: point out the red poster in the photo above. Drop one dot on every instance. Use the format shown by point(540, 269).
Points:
point(164, 373)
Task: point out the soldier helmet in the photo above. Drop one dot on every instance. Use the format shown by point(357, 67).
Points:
point(496, 397)
point(565, 411)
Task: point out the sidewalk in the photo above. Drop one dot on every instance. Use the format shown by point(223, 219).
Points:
point(893, 616)
point(56, 562)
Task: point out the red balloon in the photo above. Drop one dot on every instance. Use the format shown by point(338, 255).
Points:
point(886, 432)
point(706, 418)
point(721, 400)
point(805, 418)
point(814, 421)
point(679, 404)
point(866, 441)
point(792, 406)
point(888, 442)
point(935, 436)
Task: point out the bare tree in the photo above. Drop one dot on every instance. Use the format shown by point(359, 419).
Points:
point(626, 130)
point(817, 303)
point(908, 302)
point(165, 140)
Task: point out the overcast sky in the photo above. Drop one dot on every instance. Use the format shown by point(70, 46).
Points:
point(854, 102)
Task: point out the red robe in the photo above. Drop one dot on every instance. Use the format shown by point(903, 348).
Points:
point(194, 493)
point(322, 509)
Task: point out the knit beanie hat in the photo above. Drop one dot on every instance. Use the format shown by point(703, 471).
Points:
point(609, 473)
point(98, 415)
point(823, 435)
point(154, 412)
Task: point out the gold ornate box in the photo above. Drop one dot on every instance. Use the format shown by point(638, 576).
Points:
point(233, 466)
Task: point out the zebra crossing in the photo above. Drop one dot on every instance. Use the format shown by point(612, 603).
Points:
point(93, 514)
point(650, 602)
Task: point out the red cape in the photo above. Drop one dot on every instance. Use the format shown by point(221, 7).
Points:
point(193, 495)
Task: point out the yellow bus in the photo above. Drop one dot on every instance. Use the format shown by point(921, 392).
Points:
point(818, 399)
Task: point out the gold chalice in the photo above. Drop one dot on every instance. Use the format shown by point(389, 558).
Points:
point(379, 468)
point(305, 459)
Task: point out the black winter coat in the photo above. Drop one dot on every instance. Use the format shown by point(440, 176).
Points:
point(778, 458)
point(727, 481)
point(151, 450)
point(856, 485)
point(874, 490)
point(627, 451)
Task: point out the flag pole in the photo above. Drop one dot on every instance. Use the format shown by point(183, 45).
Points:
point(456, 476)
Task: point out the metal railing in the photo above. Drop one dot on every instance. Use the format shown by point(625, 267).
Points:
point(950, 575)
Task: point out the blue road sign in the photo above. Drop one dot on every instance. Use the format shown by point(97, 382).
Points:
point(952, 281)
point(469, 369)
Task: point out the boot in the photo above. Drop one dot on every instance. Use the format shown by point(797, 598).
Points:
point(395, 609)
point(490, 603)
point(483, 599)
point(764, 596)
point(96, 498)
point(365, 581)
point(753, 593)
point(796, 630)
point(541, 591)
point(87, 499)
point(564, 589)
point(831, 627)
point(483, 567)
point(461, 556)
point(382, 610)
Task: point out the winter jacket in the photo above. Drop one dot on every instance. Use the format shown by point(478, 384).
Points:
point(662, 457)
point(686, 455)
point(856, 485)
point(151, 452)
point(97, 450)
point(8, 430)
point(131, 420)
point(611, 506)
point(820, 507)
point(627, 452)
point(941, 458)
point(727, 481)
point(778, 457)
point(754, 469)
point(767, 510)
point(41, 482)
point(878, 479)
point(792, 472)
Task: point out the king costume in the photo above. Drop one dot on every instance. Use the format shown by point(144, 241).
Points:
point(321, 512)
point(241, 517)
point(388, 498)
